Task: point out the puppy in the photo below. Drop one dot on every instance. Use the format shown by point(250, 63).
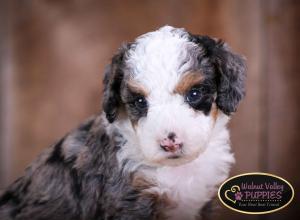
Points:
point(160, 148)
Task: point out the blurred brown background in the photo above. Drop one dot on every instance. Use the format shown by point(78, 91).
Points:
point(52, 56)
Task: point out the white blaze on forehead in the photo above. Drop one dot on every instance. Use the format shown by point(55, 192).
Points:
point(159, 58)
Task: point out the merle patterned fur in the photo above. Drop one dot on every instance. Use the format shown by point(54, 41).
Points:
point(79, 178)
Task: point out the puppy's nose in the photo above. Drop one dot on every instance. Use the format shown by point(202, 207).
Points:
point(171, 143)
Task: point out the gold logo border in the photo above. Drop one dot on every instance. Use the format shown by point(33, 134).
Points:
point(257, 173)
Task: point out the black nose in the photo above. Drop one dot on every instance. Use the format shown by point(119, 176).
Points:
point(172, 136)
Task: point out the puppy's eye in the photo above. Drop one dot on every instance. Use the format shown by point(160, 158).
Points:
point(140, 102)
point(194, 95)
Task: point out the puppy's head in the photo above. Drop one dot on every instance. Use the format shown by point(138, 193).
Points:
point(172, 86)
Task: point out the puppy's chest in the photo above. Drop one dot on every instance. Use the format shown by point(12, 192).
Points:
point(185, 188)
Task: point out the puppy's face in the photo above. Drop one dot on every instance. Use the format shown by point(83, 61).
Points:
point(172, 86)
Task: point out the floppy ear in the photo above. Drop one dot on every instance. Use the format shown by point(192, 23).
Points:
point(113, 77)
point(231, 73)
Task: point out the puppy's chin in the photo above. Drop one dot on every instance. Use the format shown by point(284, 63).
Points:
point(172, 160)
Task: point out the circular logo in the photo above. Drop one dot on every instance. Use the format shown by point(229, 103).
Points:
point(256, 193)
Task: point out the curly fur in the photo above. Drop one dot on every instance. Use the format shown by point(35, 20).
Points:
point(112, 166)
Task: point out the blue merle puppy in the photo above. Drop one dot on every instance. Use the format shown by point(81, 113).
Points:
point(161, 146)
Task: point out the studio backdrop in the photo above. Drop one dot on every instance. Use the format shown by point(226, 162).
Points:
point(53, 53)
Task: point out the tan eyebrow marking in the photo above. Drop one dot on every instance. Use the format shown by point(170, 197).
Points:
point(214, 111)
point(137, 88)
point(189, 80)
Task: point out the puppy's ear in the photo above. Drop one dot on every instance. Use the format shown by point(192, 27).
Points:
point(231, 73)
point(113, 77)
